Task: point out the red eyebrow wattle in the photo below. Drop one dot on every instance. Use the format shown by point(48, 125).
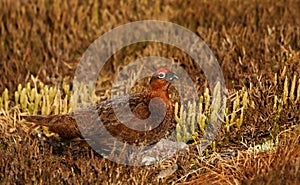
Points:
point(164, 70)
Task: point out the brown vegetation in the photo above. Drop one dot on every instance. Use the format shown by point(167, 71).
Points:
point(257, 44)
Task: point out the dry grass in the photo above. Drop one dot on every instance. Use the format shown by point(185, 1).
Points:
point(278, 166)
point(257, 44)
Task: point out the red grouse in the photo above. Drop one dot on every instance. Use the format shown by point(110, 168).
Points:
point(149, 119)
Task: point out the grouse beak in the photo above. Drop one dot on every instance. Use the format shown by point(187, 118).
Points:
point(171, 76)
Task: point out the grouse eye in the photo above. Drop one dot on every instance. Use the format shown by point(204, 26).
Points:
point(161, 75)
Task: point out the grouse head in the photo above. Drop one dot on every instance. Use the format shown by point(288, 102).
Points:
point(161, 79)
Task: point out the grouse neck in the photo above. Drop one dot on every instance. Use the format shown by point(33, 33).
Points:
point(164, 95)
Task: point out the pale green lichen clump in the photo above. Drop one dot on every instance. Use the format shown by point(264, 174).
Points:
point(45, 100)
point(234, 116)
